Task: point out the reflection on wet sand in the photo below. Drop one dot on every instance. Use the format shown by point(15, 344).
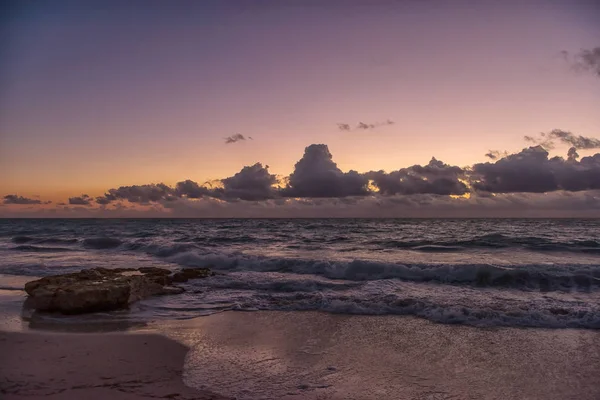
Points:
point(309, 355)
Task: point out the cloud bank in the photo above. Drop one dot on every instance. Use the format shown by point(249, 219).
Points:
point(14, 199)
point(526, 180)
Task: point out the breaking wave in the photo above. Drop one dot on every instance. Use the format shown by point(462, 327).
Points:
point(492, 241)
point(30, 239)
point(545, 278)
point(41, 249)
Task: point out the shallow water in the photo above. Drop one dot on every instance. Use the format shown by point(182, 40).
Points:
point(310, 355)
point(543, 273)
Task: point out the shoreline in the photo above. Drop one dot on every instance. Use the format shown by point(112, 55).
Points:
point(295, 356)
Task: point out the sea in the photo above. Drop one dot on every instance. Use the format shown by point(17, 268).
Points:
point(478, 272)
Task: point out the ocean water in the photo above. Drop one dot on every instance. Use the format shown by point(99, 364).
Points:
point(481, 272)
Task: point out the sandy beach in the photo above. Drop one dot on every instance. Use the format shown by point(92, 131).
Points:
point(93, 367)
point(301, 355)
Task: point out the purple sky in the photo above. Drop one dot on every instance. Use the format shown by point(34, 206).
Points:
point(101, 94)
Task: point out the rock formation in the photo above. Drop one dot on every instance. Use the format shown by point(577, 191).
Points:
point(102, 289)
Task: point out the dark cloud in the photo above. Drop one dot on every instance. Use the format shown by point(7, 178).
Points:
point(585, 61)
point(496, 154)
point(433, 178)
point(316, 175)
point(191, 190)
point(578, 142)
point(548, 140)
point(363, 126)
point(572, 155)
point(235, 138)
point(106, 199)
point(83, 200)
point(142, 194)
point(14, 199)
point(251, 183)
point(531, 171)
point(542, 140)
point(318, 182)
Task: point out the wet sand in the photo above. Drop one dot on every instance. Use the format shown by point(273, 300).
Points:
point(302, 355)
point(311, 355)
point(119, 366)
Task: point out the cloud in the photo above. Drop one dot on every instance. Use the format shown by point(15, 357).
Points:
point(83, 200)
point(433, 178)
point(531, 171)
point(190, 189)
point(572, 155)
point(316, 175)
point(585, 61)
point(252, 183)
point(548, 140)
point(578, 142)
point(142, 194)
point(236, 138)
point(14, 199)
point(556, 204)
point(496, 154)
point(363, 126)
point(317, 182)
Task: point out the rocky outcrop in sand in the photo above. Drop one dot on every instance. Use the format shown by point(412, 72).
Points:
point(102, 289)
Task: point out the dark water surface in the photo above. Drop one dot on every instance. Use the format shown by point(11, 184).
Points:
point(484, 272)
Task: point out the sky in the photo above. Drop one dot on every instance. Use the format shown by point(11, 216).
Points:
point(102, 95)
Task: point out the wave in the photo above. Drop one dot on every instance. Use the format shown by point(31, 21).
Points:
point(36, 240)
point(483, 316)
point(542, 277)
point(40, 249)
point(438, 248)
point(39, 270)
point(492, 241)
point(251, 291)
point(100, 243)
point(22, 239)
point(11, 288)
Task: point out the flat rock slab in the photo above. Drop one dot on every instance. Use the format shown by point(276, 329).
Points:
point(103, 289)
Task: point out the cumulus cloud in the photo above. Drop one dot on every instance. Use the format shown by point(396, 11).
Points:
point(83, 200)
point(251, 183)
point(587, 60)
point(317, 175)
point(531, 171)
point(190, 189)
point(14, 199)
point(434, 178)
point(363, 125)
point(548, 140)
point(236, 138)
point(317, 183)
